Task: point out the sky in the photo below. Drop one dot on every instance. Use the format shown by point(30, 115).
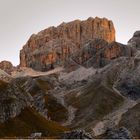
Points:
point(19, 19)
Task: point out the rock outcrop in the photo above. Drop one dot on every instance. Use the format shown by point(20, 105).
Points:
point(4, 76)
point(12, 100)
point(135, 40)
point(6, 66)
point(55, 45)
point(98, 53)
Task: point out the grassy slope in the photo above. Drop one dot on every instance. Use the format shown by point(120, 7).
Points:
point(3, 85)
point(27, 122)
point(96, 101)
point(56, 111)
point(30, 120)
point(131, 120)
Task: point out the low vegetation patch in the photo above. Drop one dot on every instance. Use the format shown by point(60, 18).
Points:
point(30, 121)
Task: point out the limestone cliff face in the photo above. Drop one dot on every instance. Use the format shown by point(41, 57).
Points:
point(53, 46)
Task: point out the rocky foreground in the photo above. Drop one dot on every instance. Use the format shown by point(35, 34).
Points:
point(88, 85)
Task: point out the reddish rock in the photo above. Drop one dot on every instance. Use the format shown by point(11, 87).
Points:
point(54, 46)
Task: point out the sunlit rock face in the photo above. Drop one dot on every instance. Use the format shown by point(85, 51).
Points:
point(55, 45)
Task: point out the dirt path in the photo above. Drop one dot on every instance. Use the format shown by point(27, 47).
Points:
point(30, 72)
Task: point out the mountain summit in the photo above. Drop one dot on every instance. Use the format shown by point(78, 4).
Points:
point(53, 46)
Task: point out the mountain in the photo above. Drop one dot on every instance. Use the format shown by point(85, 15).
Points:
point(73, 81)
point(53, 46)
point(89, 43)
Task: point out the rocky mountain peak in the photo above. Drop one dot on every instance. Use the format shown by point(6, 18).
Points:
point(54, 45)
